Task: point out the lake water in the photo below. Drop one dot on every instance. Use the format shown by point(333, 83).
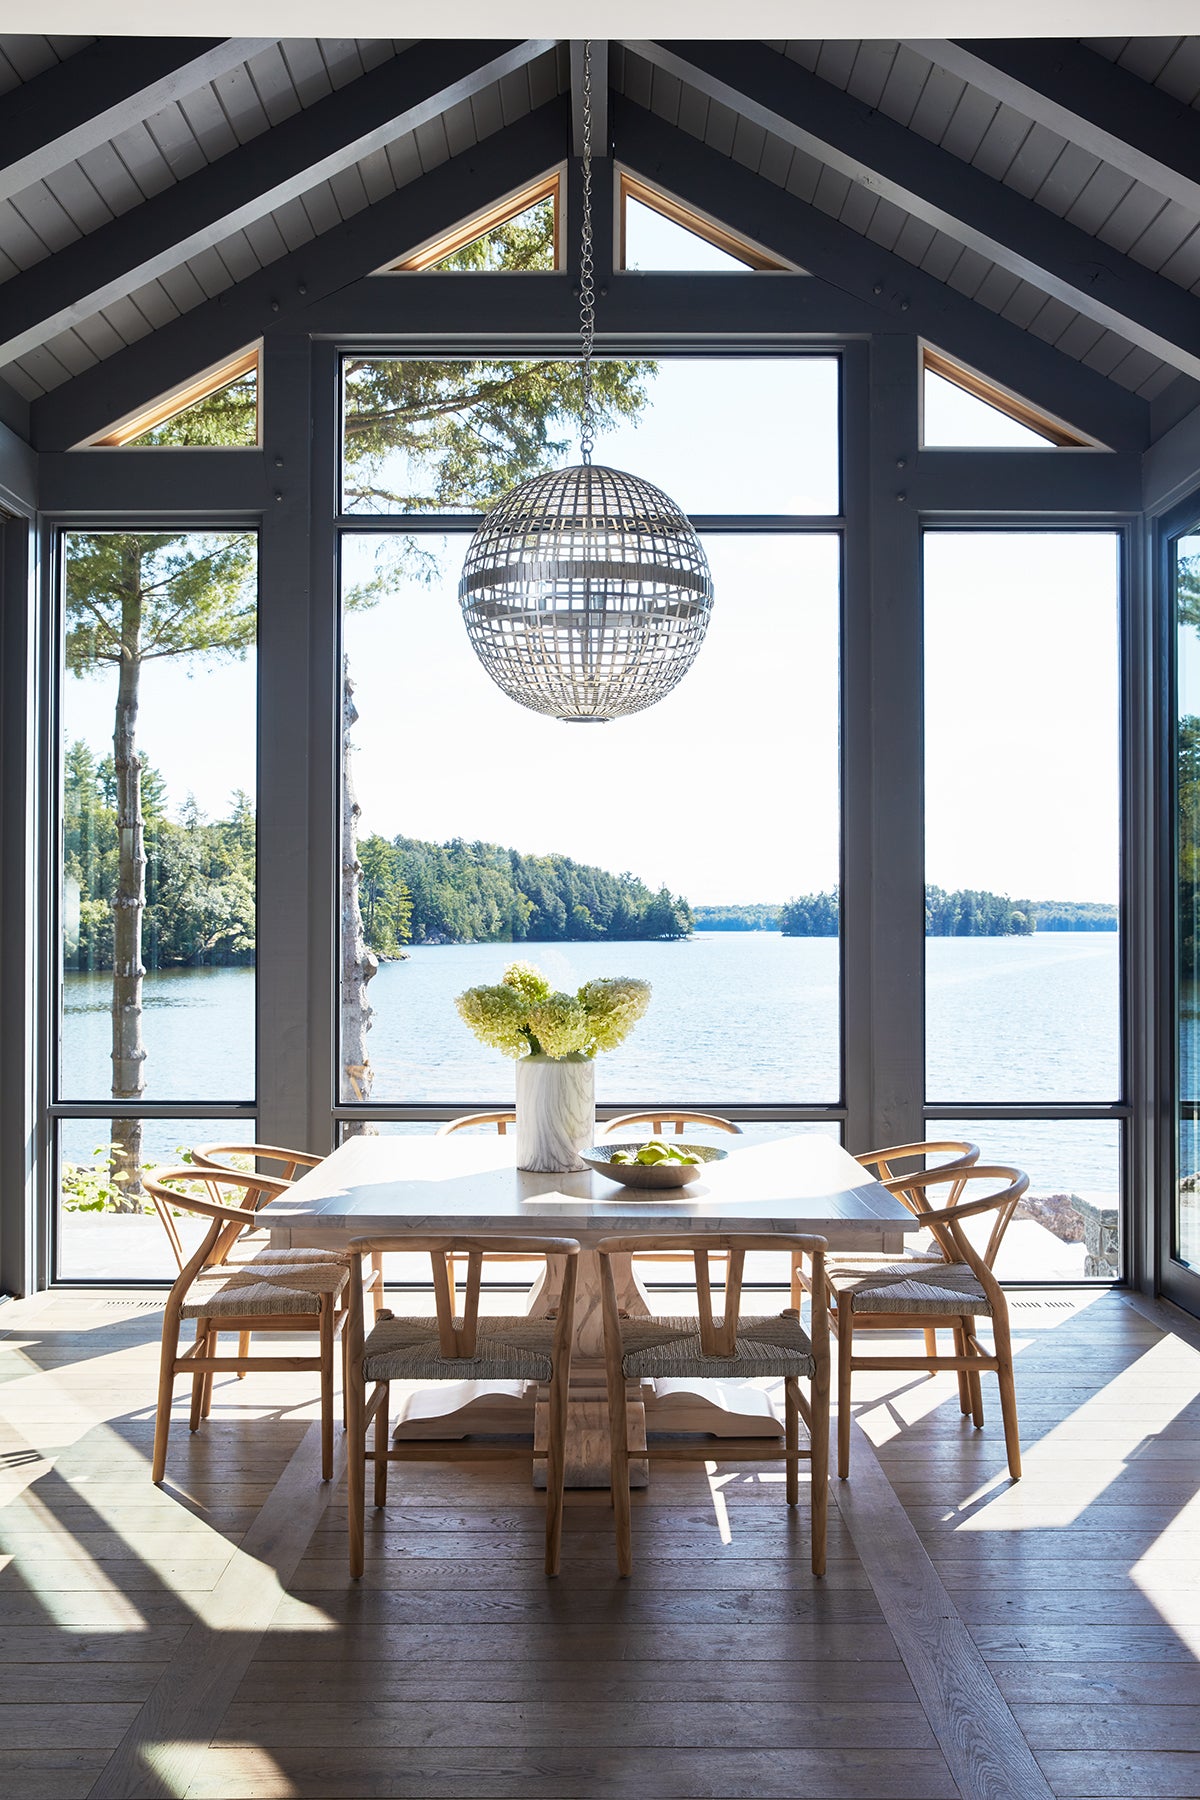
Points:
point(736, 1016)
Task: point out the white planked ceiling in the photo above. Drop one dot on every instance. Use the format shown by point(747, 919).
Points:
point(884, 73)
point(291, 75)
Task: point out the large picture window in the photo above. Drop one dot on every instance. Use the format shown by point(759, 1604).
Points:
point(695, 845)
point(1022, 950)
point(157, 908)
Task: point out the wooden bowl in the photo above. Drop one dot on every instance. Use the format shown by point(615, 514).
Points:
point(651, 1175)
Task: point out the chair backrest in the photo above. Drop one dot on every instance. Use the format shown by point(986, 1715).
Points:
point(946, 1219)
point(237, 1157)
point(957, 1153)
point(213, 1193)
point(501, 1120)
point(718, 1336)
point(658, 1118)
point(457, 1337)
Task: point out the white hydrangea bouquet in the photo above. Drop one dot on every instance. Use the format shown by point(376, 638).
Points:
point(554, 1038)
point(522, 1016)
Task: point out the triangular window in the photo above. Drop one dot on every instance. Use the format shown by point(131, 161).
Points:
point(518, 234)
point(215, 411)
point(963, 411)
point(661, 234)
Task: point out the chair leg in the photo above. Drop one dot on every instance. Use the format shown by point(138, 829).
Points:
point(198, 1379)
point(964, 1338)
point(166, 1386)
point(210, 1349)
point(819, 1465)
point(964, 1391)
point(326, 1329)
point(556, 1462)
point(356, 1469)
point(1008, 1394)
point(243, 1351)
point(618, 1435)
point(791, 1415)
point(845, 1336)
point(382, 1443)
point(931, 1348)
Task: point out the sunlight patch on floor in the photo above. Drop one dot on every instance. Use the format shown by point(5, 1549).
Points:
point(115, 1613)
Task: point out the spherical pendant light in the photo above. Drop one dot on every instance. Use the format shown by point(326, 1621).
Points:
point(585, 592)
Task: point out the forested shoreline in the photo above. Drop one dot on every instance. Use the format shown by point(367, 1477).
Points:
point(200, 890)
point(412, 892)
point(967, 912)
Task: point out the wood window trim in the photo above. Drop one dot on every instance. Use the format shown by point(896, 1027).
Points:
point(679, 214)
point(548, 188)
point(1024, 414)
point(171, 405)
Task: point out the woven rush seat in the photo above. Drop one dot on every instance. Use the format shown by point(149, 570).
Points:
point(906, 1285)
point(258, 1289)
point(670, 1348)
point(506, 1349)
point(270, 1258)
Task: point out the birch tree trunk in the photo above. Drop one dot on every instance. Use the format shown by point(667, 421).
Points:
point(359, 965)
point(129, 901)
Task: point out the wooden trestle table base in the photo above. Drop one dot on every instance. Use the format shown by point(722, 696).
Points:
point(385, 1186)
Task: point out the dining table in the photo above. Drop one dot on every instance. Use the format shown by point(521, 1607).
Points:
point(467, 1183)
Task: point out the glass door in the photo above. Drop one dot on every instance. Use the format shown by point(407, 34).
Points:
point(1181, 1269)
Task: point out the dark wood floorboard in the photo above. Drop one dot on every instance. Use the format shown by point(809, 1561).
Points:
point(973, 1639)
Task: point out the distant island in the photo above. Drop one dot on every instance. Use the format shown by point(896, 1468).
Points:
point(967, 912)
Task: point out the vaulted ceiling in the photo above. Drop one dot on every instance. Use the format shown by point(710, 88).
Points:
point(1029, 204)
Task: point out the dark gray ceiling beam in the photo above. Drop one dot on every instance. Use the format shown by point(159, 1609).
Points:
point(1106, 110)
point(900, 294)
point(156, 484)
point(1024, 483)
point(943, 191)
point(281, 293)
point(531, 312)
point(247, 183)
point(599, 96)
point(99, 92)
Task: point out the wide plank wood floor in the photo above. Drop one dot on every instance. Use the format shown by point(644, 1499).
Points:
point(973, 1640)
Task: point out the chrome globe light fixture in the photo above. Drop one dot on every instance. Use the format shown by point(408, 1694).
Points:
point(585, 592)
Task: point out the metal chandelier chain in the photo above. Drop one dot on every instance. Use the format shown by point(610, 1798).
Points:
point(587, 272)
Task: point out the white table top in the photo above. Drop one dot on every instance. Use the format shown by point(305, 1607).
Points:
point(468, 1183)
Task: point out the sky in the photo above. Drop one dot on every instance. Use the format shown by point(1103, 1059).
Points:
point(727, 791)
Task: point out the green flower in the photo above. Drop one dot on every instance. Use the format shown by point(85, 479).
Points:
point(527, 981)
point(561, 1026)
point(497, 1017)
point(614, 1007)
point(521, 1015)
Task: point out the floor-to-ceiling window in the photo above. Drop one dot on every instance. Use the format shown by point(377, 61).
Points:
point(698, 845)
point(1183, 1245)
point(156, 912)
point(1022, 846)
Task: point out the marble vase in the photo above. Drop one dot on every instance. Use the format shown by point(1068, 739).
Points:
point(556, 1112)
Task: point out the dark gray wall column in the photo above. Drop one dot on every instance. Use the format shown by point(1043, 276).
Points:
point(289, 1027)
point(22, 1250)
point(883, 890)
